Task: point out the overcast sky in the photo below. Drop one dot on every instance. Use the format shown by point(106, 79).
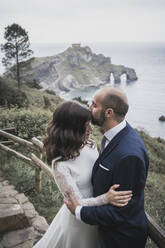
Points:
point(50, 21)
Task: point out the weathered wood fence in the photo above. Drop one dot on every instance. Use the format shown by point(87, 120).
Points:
point(36, 157)
point(156, 233)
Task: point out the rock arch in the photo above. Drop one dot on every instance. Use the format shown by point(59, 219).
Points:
point(118, 71)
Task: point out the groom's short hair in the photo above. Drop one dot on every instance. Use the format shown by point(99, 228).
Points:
point(119, 106)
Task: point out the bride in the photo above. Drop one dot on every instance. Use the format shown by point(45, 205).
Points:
point(72, 155)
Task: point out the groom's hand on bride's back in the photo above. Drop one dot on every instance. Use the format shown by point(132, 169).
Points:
point(118, 198)
point(71, 202)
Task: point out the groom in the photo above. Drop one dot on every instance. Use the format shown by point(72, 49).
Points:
point(123, 161)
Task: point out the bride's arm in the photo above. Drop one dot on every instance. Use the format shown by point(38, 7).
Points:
point(65, 181)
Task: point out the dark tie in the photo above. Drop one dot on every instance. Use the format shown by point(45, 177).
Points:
point(103, 143)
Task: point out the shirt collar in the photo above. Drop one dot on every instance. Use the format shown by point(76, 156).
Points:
point(111, 133)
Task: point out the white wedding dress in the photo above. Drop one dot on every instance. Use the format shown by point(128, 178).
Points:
point(65, 230)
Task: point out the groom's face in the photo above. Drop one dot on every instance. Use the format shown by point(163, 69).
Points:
point(98, 114)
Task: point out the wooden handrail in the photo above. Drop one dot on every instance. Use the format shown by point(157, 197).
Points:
point(7, 142)
point(16, 154)
point(10, 130)
point(18, 140)
point(38, 143)
point(156, 233)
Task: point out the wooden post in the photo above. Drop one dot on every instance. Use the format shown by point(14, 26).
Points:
point(38, 143)
point(42, 165)
point(38, 172)
point(38, 175)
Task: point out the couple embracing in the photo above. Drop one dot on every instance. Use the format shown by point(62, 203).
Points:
point(104, 192)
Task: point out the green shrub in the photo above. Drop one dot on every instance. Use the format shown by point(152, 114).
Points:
point(156, 150)
point(47, 102)
point(33, 84)
point(28, 123)
point(50, 92)
point(11, 96)
point(79, 99)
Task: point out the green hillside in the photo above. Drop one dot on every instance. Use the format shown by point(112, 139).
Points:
point(28, 96)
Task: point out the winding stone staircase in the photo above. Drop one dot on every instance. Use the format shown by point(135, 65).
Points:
point(20, 224)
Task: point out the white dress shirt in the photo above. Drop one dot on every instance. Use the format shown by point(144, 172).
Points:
point(110, 134)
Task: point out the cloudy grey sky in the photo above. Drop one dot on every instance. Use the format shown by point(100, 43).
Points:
point(50, 21)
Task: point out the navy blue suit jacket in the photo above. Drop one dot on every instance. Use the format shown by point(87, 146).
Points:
point(124, 161)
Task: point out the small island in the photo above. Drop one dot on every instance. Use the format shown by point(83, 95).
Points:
point(75, 68)
point(162, 118)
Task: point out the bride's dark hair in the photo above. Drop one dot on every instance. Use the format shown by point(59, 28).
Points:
point(66, 131)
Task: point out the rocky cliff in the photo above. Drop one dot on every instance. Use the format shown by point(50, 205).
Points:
point(74, 68)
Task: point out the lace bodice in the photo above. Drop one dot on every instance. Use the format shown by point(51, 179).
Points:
point(75, 175)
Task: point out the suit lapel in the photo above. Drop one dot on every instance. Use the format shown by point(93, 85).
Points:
point(115, 141)
point(112, 144)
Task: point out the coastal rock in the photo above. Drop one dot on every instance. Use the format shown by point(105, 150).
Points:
point(76, 67)
point(162, 118)
point(119, 70)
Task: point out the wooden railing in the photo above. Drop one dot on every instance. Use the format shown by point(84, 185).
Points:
point(36, 146)
point(156, 233)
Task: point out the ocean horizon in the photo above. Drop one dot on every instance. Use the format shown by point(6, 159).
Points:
point(146, 96)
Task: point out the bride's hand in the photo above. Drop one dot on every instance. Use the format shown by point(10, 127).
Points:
point(118, 198)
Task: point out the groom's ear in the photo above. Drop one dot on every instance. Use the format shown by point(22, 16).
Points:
point(109, 112)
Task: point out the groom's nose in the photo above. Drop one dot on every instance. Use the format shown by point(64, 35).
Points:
point(90, 107)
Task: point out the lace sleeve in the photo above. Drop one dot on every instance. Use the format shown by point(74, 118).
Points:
point(65, 181)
